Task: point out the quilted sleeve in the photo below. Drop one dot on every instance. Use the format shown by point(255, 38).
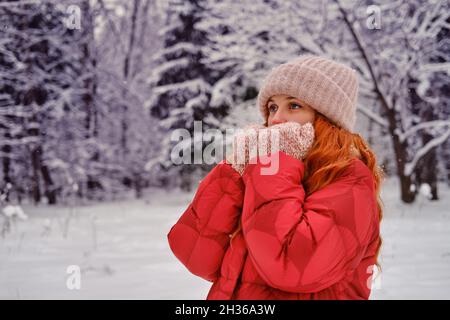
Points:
point(200, 238)
point(307, 244)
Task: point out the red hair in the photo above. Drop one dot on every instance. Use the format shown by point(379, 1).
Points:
point(332, 151)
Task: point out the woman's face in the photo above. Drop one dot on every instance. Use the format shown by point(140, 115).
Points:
point(283, 108)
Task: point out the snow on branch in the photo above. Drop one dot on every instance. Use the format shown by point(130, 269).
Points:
point(194, 85)
point(409, 167)
point(157, 72)
point(434, 67)
point(20, 2)
point(181, 46)
point(372, 115)
point(429, 124)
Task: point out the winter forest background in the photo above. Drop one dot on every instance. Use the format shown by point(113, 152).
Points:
point(90, 92)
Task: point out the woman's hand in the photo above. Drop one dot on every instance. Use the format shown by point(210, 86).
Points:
point(293, 138)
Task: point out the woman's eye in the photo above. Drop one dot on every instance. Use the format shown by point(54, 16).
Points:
point(294, 105)
point(272, 108)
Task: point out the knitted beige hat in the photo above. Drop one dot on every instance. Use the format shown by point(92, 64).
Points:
point(327, 86)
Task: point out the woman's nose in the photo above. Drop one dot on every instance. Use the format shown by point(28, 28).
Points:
point(278, 118)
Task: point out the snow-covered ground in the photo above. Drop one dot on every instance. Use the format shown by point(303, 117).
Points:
point(122, 250)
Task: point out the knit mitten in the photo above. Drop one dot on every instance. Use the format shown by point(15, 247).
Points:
point(290, 137)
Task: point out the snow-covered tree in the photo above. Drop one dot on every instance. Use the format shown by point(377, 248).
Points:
point(181, 85)
point(126, 39)
point(400, 59)
point(46, 97)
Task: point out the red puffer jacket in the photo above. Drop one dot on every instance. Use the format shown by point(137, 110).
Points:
point(291, 247)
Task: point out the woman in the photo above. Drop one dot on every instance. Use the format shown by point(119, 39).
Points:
point(310, 229)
